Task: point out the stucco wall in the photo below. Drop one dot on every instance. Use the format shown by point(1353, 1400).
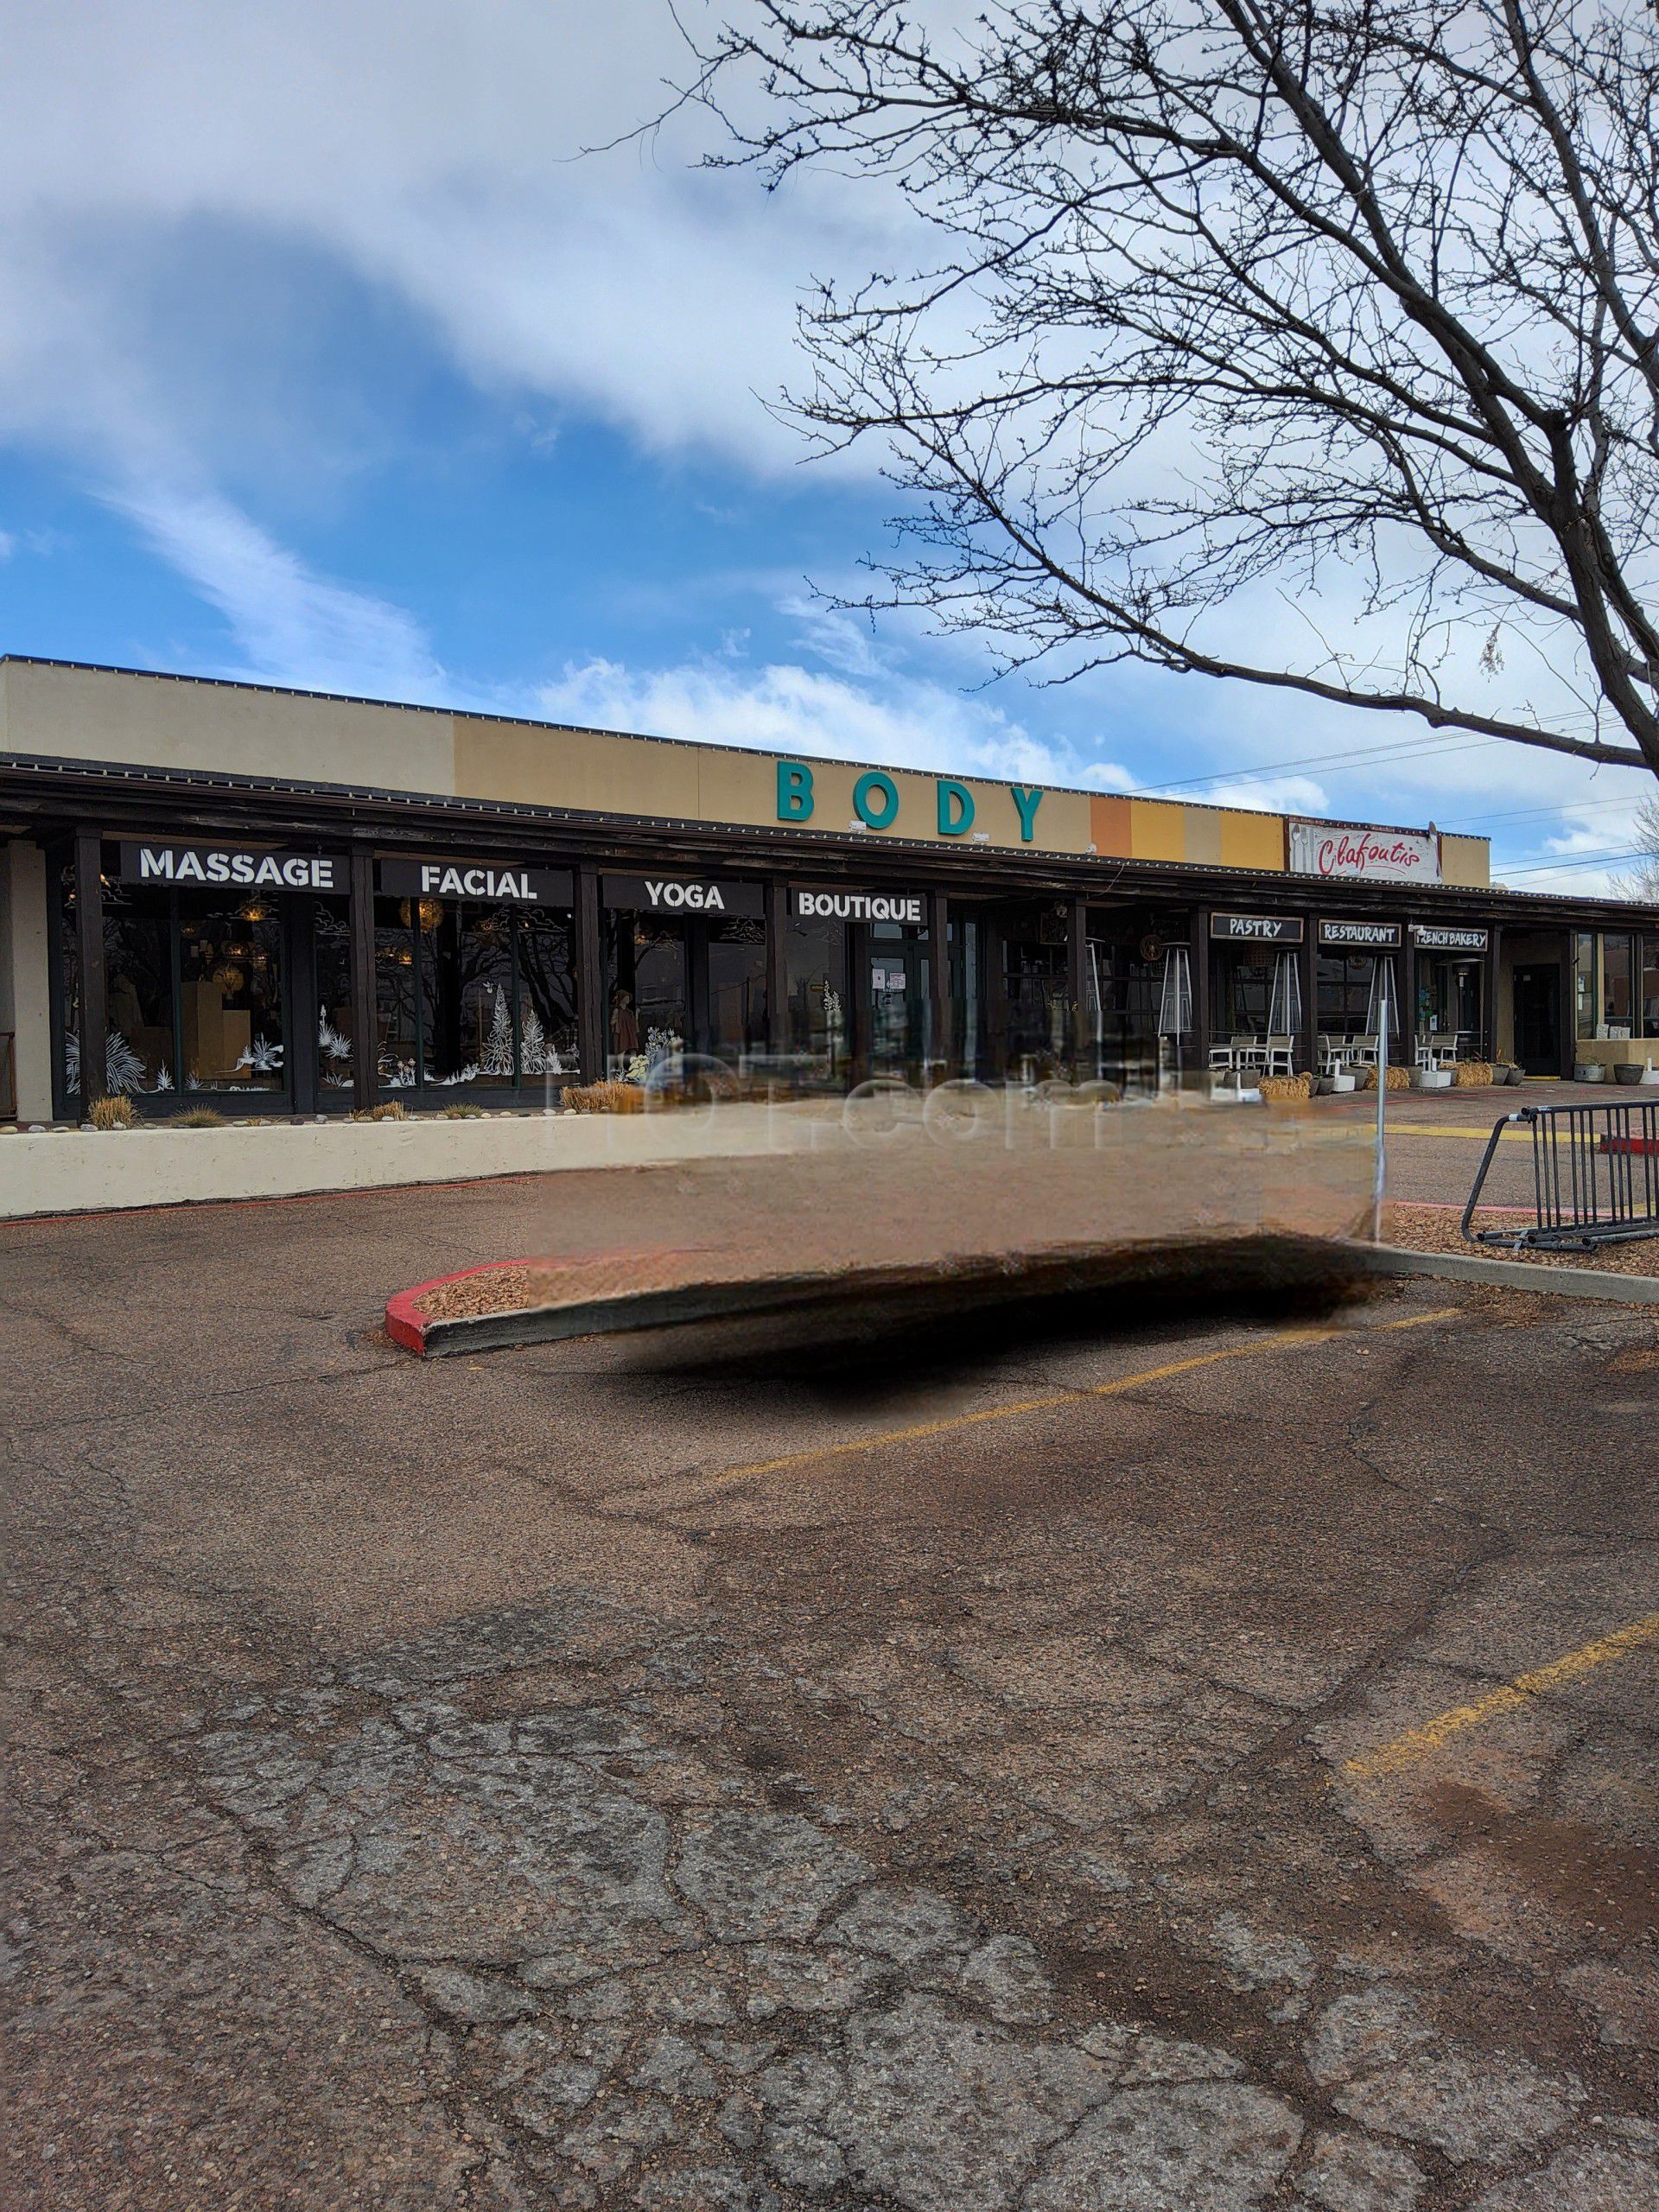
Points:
point(25, 1006)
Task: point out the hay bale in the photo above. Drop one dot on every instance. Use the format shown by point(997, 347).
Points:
point(1471, 1075)
point(1286, 1089)
point(604, 1098)
point(1399, 1079)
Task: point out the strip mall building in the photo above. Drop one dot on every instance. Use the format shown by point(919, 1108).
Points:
point(284, 902)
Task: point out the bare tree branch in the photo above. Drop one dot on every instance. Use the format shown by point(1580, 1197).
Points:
point(1235, 297)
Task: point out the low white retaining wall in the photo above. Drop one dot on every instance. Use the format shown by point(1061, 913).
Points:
point(89, 1171)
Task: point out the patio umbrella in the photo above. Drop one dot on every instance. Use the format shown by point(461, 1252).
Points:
point(1175, 1006)
point(1381, 978)
point(1285, 1010)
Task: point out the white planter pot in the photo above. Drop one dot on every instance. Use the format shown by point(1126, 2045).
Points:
point(1590, 1071)
point(1431, 1078)
point(1344, 1082)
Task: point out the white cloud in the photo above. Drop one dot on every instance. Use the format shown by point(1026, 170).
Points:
point(789, 708)
point(290, 625)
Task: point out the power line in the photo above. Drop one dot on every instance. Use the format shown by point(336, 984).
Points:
point(1351, 758)
point(1570, 860)
point(1528, 813)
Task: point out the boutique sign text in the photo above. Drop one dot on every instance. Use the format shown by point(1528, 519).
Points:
point(875, 801)
point(908, 907)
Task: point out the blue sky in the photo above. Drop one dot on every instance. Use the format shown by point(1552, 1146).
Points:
point(324, 360)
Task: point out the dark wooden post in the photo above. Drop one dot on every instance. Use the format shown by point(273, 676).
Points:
point(1202, 1039)
point(1492, 985)
point(777, 967)
point(365, 999)
point(1307, 1041)
point(993, 943)
point(91, 999)
point(1406, 1014)
point(592, 1036)
point(943, 1045)
point(1076, 984)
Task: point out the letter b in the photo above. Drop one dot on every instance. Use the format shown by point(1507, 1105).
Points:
point(794, 791)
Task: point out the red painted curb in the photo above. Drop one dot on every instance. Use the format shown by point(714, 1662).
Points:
point(408, 1328)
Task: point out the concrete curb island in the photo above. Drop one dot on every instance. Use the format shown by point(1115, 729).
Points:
point(1515, 1275)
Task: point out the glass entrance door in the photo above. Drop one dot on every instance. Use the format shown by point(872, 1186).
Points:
point(893, 977)
point(1538, 1018)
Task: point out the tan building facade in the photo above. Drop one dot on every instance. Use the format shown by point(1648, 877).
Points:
point(304, 901)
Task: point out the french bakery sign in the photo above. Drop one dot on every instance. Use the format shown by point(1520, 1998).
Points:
point(1352, 853)
point(232, 866)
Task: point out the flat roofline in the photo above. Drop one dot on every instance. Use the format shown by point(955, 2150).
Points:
point(428, 818)
point(689, 744)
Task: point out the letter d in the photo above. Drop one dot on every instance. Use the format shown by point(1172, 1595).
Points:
point(956, 808)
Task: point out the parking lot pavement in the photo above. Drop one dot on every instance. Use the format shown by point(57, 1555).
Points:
point(1175, 1769)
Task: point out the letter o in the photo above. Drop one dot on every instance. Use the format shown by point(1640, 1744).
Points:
point(871, 789)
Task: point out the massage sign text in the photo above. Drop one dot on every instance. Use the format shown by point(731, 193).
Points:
point(233, 866)
point(1355, 854)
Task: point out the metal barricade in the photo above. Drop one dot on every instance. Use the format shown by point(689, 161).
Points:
point(1595, 1177)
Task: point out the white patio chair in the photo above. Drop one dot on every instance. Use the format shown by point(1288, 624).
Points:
point(1279, 1055)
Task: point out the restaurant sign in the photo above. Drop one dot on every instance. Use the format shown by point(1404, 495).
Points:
point(506, 881)
point(1256, 929)
point(1361, 936)
point(232, 866)
point(906, 906)
point(1353, 854)
point(1429, 937)
point(676, 895)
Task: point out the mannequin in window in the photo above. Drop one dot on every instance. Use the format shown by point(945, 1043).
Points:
point(624, 1026)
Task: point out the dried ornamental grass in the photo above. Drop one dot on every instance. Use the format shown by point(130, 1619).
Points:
point(199, 1117)
point(461, 1111)
point(605, 1098)
point(389, 1109)
point(115, 1113)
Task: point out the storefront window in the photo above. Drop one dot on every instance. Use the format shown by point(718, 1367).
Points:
point(547, 995)
point(230, 968)
point(646, 989)
point(1039, 1004)
point(140, 1045)
point(737, 990)
point(470, 992)
point(1449, 998)
point(1649, 986)
point(333, 975)
point(1584, 985)
point(1246, 992)
point(1123, 1003)
point(1616, 981)
point(1346, 984)
point(819, 999)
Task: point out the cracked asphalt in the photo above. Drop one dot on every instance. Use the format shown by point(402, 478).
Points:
point(439, 1787)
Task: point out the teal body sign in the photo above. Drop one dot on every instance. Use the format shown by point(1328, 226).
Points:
point(794, 791)
point(876, 800)
point(1026, 803)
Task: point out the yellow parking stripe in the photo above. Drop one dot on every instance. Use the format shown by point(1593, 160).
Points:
point(1454, 1130)
point(1417, 1743)
point(919, 1431)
